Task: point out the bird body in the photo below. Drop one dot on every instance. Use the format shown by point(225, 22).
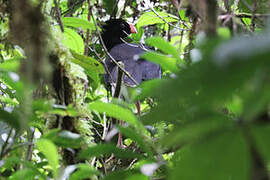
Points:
point(138, 68)
point(129, 54)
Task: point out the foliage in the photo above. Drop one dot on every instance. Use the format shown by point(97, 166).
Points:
point(207, 118)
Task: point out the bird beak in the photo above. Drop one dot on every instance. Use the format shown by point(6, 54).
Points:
point(132, 28)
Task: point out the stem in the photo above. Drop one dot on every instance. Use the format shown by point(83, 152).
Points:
point(3, 151)
point(30, 134)
point(88, 32)
point(58, 16)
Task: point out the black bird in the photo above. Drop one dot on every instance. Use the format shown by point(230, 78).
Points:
point(114, 31)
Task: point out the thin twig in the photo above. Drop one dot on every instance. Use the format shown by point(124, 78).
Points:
point(154, 11)
point(132, 162)
point(72, 7)
point(93, 161)
point(30, 147)
point(88, 31)
point(19, 145)
point(245, 15)
point(233, 19)
point(104, 64)
point(58, 16)
point(117, 95)
point(3, 151)
point(246, 4)
point(227, 7)
point(105, 128)
point(9, 149)
point(99, 135)
point(93, 50)
point(114, 12)
point(254, 8)
point(181, 40)
point(124, 9)
point(118, 82)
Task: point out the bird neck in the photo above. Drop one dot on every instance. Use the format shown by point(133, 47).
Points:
point(110, 41)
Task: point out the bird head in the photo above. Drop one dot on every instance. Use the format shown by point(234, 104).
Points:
point(118, 27)
point(114, 30)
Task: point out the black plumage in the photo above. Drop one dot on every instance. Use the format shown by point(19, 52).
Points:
point(129, 54)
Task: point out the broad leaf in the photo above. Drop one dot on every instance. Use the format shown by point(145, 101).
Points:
point(149, 18)
point(109, 5)
point(117, 112)
point(121, 174)
point(130, 133)
point(26, 174)
point(50, 152)
point(10, 64)
point(167, 63)
point(163, 45)
point(78, 23)
point(84, 171)
point(146, 89)
point(107, 150)
point(221, 156)
point(261, 135)
point(11, 119)
point(88, 63)
point(73, 40)
point(64, 138)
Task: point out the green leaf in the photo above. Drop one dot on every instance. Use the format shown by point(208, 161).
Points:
point(49, 150)
point(41, 105)
point(130, 133)
point(167, 63)
point(149, 18)
point(146, 89)
point(84, 171)
point(64, 138)
point(117, 112)
point(163, 45)
point(73, 40)
point(235, 105)
point(204, 87)
point(261, 6)
point(255, 98)
point(88, 63)
point(10, 64)
point(10, 118)
point(182, 14)
point(221, 156)
point(137, 177)
point(109, 5)
point(12, 161)
point(9, 101)
point(11, 84)
point(78, 71)
point(91, 66)
point(108, 149)
point(26, 174)
point(195, 130)
point(121, 174)
point(78, 23)
point(247, 21)
point(64, 111)
point(224, 32)
point(261, 135)
point(137, 36)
